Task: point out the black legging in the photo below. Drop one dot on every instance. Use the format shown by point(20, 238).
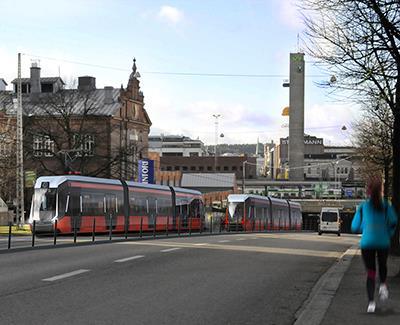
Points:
point(369, 256)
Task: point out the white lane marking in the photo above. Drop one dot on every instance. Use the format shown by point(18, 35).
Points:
point(261, 249)
point(224, 241)
point(240, 238)
point(169, 250)
point(200, 244)
point(65, 275)
point(128, 259)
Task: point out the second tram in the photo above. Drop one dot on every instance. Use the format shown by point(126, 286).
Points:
point(250, 212)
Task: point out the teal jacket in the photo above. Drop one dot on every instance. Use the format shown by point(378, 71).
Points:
point(377, 227)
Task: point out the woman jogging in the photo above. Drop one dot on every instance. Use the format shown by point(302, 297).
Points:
point(376, 220)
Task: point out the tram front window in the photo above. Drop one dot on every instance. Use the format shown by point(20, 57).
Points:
point(236, 211)
point(44, 204)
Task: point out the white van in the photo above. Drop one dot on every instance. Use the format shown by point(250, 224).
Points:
point(329, 221)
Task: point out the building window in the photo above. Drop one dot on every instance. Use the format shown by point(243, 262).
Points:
point(5, 149)
point(226, 168)
point(201, 168)
point(47, 88)
point(43, 146)
point(6, 146)
point(84, 143)
point(177, 168)
point(169, 168)
point(184, 168)
point(209, 168)
point(193, 154)
point(192, 167)
point(234, 168)
point(309, 169)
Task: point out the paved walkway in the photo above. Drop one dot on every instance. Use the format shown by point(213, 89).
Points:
point(349, 305)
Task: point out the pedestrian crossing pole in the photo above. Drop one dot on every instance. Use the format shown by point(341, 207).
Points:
point(20, 152)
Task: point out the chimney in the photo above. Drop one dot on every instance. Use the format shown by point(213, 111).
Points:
point(108, 95)
point(36, 87)
point(86, 83)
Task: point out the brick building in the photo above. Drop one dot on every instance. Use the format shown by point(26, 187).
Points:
point(205, 164)
point(98, 132)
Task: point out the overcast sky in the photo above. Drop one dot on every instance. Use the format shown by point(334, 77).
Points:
point(248, 37)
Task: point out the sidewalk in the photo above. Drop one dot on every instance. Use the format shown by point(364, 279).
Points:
point(349, 306)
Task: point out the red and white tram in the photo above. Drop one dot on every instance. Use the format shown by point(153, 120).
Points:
point(254, 212)
point(78, 203)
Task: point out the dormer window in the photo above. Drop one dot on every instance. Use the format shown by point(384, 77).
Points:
point(47, 87)
point(25, 88)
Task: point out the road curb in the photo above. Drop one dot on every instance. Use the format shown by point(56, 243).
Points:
point(316, 305)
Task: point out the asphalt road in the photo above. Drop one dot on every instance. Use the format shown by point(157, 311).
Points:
point(226, 279)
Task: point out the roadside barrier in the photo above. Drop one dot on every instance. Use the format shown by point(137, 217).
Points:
point(162, 227)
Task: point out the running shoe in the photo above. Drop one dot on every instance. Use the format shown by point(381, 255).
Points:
point(371, 307)
point(383, 292)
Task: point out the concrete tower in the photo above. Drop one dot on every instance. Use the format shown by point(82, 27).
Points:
point(296, 117)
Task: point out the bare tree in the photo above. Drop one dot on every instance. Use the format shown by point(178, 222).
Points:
point(68, 132)
point(373, 138)
point(359, 42)
point(8, 161)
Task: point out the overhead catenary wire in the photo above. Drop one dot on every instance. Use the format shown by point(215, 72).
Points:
point(212, 175)
point(173, 73)
point(227, 131)
point(317, 164)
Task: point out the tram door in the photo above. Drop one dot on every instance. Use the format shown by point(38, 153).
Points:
point(110, 209)
point(74, 209)
point(151, 211)
point(184, 213)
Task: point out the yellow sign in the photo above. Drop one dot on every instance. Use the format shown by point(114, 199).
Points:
point(30, 178)
point(285, 111)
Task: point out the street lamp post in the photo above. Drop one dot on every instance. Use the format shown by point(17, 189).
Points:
point(216, 116)
point(20, 153)
point(334, 176)
point(335, 167)
point(244, 176)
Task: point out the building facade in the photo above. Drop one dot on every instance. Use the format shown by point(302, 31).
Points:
point(206, 164)
point(3, 84)
point(180, 146)
point(97, 132)
point(321, 163)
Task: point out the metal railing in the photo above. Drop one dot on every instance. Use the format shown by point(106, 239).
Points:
point(184, 228)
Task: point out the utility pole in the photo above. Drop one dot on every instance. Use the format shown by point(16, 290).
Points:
point(244, 176)
point(20, 152)
point(216, 116)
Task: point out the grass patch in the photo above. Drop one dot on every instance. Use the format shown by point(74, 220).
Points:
point(16, 230)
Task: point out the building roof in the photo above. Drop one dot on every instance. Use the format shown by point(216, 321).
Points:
point(1, 79)
point(46, 103)
point(42, 80)
point(217, 180)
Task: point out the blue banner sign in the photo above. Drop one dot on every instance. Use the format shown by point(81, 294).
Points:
point(146, 171)
point(348, 192)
